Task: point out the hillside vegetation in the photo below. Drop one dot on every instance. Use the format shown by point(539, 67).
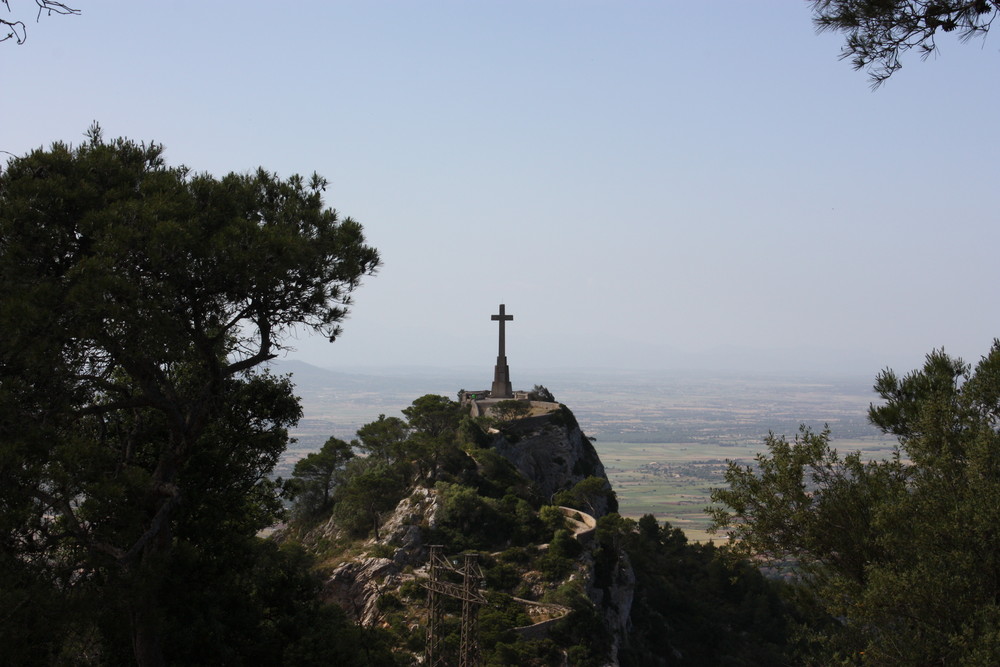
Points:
point(565, 580)
point(902, 552)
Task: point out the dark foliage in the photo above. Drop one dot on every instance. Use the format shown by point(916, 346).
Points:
point(541, 393)
point(315, 477)
point(903, 551)
point(469, 521)
point(693, 606)
point(136, 302)
point(879, 32)
point(589, 495)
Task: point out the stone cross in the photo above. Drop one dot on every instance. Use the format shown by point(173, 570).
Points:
point(501, 374)
point(502, 317)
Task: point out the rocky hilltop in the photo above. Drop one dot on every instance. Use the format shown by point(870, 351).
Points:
point(525, 495)
point(549, 449)
point(506, 505)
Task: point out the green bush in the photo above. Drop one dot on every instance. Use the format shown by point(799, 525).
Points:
point(552, 517)
point(467, 520)
point(382, 551)
point(560, 558)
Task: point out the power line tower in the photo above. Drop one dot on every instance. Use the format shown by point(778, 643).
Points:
point(468, 592)
point(435, 608)
point(472, 578)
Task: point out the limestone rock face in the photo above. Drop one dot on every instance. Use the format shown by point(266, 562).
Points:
point(403, 530)
point(614, 600)
point(552, 452)
point(355, 586)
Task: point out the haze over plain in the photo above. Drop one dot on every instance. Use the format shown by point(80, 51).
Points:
point(644, 184)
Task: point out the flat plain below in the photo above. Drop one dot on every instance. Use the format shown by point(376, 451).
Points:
point(664, 438)
point(674, 481)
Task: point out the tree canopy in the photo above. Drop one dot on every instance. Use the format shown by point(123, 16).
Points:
point(396, 455)
point(315, 476)
point(541, 393)
point(904, 551)
point(384, 438)
point(879, 32)
point(434, 415)
point(138, 302)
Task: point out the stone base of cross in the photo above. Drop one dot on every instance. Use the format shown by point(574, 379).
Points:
point(501, 380)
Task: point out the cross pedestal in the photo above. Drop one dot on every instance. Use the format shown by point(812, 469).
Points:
point(501, 374)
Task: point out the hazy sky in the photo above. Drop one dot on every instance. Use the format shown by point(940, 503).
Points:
point(655, 183)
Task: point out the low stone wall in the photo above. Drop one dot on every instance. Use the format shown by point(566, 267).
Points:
point(483, 407)
point(541, 629)
point(583, 524)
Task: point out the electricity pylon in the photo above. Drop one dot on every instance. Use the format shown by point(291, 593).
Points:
point(468, 593)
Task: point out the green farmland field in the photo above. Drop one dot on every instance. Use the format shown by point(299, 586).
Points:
point(673, 481)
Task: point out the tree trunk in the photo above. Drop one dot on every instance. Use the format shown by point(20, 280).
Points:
point(147, 639)
point(147, 630)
